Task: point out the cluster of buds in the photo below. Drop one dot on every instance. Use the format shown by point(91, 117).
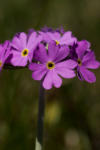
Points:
point(50, 54)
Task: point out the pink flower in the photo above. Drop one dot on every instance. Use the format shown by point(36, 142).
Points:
point(4, 53)
point(23, 47)
point(51, 65)
point(66, 38)
point(85, 59)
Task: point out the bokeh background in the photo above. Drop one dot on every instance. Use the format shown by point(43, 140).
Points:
point(72, 116)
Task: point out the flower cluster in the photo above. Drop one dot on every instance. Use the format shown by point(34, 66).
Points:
point(50, 54)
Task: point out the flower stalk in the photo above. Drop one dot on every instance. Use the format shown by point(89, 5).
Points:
point(40, 123)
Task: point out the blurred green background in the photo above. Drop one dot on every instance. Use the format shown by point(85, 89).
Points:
point(72, 116)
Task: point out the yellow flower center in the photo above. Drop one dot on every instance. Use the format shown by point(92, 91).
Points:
point(79, 62)
point(57, 42)
point(50, 65)
point(0, 63)
point(25, 52)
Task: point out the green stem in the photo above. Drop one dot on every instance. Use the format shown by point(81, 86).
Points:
point(40, 123)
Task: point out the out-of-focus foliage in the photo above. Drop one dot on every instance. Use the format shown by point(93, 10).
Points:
point(72, 116)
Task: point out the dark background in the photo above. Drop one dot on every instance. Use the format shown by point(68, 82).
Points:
point(72, 116)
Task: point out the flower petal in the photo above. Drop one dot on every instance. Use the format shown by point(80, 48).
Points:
point(92, 64)
point(18, 60)
point(47, 82)
point(35, 66)
point(49, 36)
point(16, 43)
point(82, 48)
point(7, 49)
point(1, 51)
point(39, 74)
point(52, 50)
point(88, 57)
point(45, 37)
point(89, 61)
point(79, 74)
point(30, 56)
point(62, 53)
point(66, 73)
point(51, 79)
point(23, 39)
point(40, 54)
point(87, 75)
point(68, 39)
point(33, 41)
point(54, 36)
point(57, 81)
point(68, 64)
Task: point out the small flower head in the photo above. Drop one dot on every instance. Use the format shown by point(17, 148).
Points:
point(66, 38)
point(85, 59)
point(4, 53)
point(23, 47)
point(52, 65)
